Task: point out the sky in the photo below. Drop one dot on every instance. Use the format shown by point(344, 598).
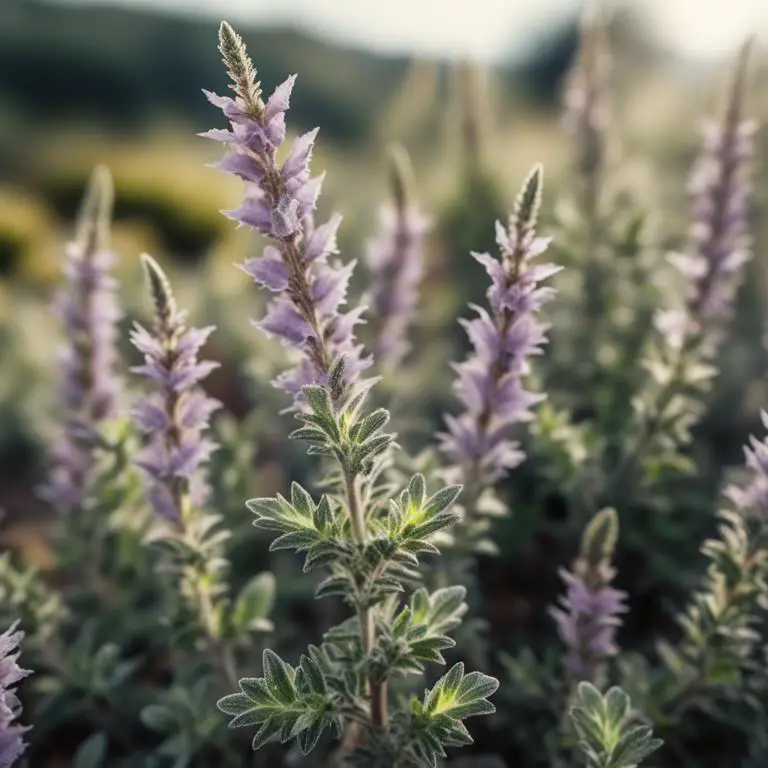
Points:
point(489, 30)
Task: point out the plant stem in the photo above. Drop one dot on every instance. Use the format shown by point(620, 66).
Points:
point(377, 688)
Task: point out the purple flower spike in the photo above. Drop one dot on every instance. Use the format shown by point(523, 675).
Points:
point(719, 236)
point(721, 189)
point(588, 615)
point(489, 382)
point(12, 745)
point(395, 261)
point(88, 310)
point(177, 413)
point(280, 201)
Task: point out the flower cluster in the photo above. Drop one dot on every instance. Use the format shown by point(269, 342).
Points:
point(588, 614)
point(489, 382)
point(279, 203)
point(719, 236)
point(176, 415)
point(12, 745)
point(395, 261)
point(88, 310)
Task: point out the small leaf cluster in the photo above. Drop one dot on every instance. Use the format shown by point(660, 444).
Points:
point(607, 738)
point(347, 433)
point(720, 624)
point(286, 703)
point(438, 718)
point(364, 574)
point(419, 632)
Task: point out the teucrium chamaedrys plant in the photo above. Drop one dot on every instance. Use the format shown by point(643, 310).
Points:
point(12, 744)
point(479, 443)
point(395, 260)
point(680, 357)
point(176, 417)
point(88, 310)
point(207, 624)
point(369, 547)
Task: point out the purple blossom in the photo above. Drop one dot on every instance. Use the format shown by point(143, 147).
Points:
point(12, 745)
point(177, 413)
point(88, 310)
point(587, 615)
point(489, 382)
point(587, 618)
point(280, 201)
point(395, 260)
point(719, 236)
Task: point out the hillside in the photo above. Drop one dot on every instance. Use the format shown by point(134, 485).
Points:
point(120, 66)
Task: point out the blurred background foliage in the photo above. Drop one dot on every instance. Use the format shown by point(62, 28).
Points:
point(87, 85)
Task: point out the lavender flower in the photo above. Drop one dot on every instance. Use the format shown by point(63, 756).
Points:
point(12, 745)
point(588, 614)
point(88, 310)
point(395, 259)
point(177, 414)
point(279, 203)
point(719, 237)
point(490, 381)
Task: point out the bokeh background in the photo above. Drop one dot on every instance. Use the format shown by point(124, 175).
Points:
point(462, 84)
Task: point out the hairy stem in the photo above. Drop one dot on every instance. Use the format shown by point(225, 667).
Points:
point(377, 688)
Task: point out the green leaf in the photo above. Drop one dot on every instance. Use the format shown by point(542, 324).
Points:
point(634, 746)
point(369, 425)
point(417, 490)
point(279, 676)
point(441, 500)
point(459, 696)
point(298, 540)
point(591, 699)
point(310, 434)
point(158, 717)
point(617, 706)
point(313, 676)
point(319, 400)
point(255, 688)
point(233, 704)
point(322, 515)
point(309, 737)
point(301, 501)
point(269, 731)
point(92, 752)
point(334, 585)
point(255, 601)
